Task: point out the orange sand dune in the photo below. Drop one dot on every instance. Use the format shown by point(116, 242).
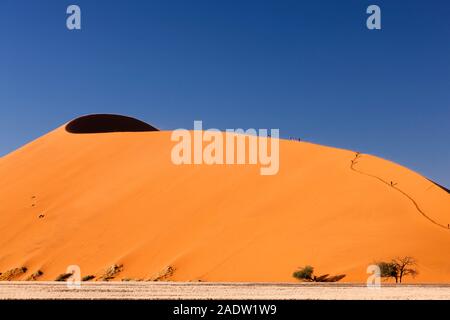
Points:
point(116, 198)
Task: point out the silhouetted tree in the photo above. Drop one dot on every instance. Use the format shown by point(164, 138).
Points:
point(398, 267)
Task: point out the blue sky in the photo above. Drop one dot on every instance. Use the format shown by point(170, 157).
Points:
point(310, 68)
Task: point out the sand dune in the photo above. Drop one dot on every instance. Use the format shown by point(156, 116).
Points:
point(114, 198)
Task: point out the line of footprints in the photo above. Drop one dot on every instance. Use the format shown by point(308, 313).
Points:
point(33, 204)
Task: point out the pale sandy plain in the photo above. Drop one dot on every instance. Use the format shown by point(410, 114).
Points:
point(224, 291)
point(95, 200)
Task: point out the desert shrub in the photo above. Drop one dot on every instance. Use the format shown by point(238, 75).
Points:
point(35, 275)
point(87, 278)
point(305, 273)
point(63, 276)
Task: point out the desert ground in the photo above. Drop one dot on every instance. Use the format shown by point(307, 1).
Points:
point(245, 291)
point(103, 199)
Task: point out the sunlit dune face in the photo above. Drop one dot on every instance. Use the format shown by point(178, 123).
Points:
point(116, 205)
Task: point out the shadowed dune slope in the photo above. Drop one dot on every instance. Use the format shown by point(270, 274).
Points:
point(440, 186)
point(96, 200)
point(102, 123)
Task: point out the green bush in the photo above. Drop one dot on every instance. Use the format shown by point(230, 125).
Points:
point(305, 273)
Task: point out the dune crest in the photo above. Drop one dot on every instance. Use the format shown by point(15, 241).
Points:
point(104, 199)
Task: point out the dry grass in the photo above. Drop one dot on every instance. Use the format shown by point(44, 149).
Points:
point(163, 275)
point(131, 280)
point(12, 274)
point(110, 273)
point(35, 276)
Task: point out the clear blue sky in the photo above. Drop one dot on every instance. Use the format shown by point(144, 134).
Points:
point(310, 68)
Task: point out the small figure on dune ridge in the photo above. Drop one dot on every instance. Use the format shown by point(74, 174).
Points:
point(41, 216)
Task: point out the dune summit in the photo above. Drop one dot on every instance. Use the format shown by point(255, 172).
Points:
point(113, 203)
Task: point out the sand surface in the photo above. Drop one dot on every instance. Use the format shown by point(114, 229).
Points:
point(95, 200)
point(247, 291)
